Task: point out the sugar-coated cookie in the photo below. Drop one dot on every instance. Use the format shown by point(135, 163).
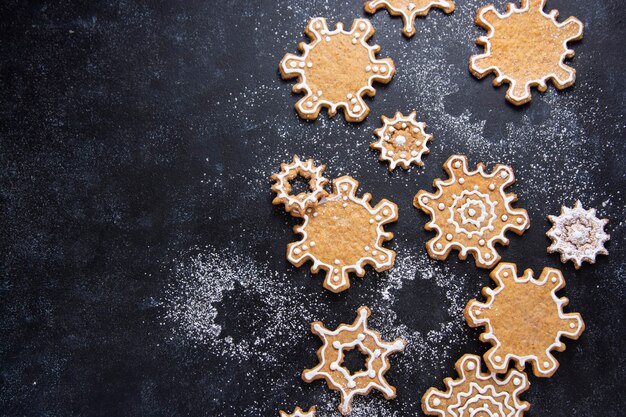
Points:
point(297, 204)
point(476, 393)
point(402, 141)
point(409, 10)
point(525, 47)
point(524, 319)
point(471, 212)
point(343, 234)
point(578, 235)
point(347, 337)
point(336, 69)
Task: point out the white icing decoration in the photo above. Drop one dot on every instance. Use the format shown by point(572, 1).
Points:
point(302, 203)
point(409, 11)
point(298, 412)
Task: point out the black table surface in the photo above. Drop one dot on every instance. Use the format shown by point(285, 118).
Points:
point(143, 264)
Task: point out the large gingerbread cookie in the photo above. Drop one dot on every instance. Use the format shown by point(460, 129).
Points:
point(336, 69)
point(525, 47)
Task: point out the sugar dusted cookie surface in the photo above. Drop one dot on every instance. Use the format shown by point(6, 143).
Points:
point(476, 393)
point(343, 234)
point(336, 69)
point(471, 212)
point(298, 412)
point(525, 47)
point(409, 10)
point(578, 235)
point(402, 141)
point(524, 319)
point(297, 204)
point(346, 337)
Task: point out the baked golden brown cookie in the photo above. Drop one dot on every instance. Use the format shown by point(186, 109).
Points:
point(343, 234)
point(471, 212)
point(525, 47)
point(476, 393)
point(297, 204)
point(347, 337)
point(402, 141)
point(409, 10)
point(524, 319)
point(298, 412)
point(336, 69)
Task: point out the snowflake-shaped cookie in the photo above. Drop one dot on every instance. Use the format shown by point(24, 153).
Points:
point(409, 10)
point(297, 204)
point(525, 47)
point(578, 235)
point(336, 70)
point(298, 412)
point(401, 141)
point(347, 337)
point(476, 393)
point(471, 212)
point(343, 234)
point(524, 319)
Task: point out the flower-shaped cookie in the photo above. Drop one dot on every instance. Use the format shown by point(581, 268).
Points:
point(297, 204)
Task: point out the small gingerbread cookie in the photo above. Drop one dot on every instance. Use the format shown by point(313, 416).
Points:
point(298, 412)
point(524, 319)
point(476, 393)
point(336, 69)
point(297, 204)
point(471, 212)
point(525, 47)
point(409, 10)
point(343, 234)
point(578, 235)
point(402, 141)
point(347, 337)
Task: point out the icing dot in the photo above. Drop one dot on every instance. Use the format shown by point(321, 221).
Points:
point(327, 38)
point(319, 92)
point(441, 206)
point(309, 64)
point(314, 98)
point(337, 262)
point(471, 366)
point(374, 252)
point(477, 312)
point(418, 143)
point(357, 108)
point(378, 218)
point(492, 187)
point(353, 101)
point(457, 164)
point(461, 180)
point(413, 153)
point(293, 64)
point(315, 214)
point(336, 270)
point(403, 125)
point(436, 402)
point(333, 366)
point(546, 364)
point(383, 69)
point(386, 212)
point(487, 256)
point(344, 205)
point(371, 221)
point(403, 155)
point(351, 384)
point(520, 220)
point(350, 96)
point(336, 278)
point(517, 382)
point(572, 325)
point(505, 217)
point(297, 251)
point(309, 104)
point(308, 210)
point(371, 373)
point(344, 187)
point(377, 353)
point(498, 358)
point(439, 246)
point(505, 274)
point(368, 68)
point(375, 68)
point(383, 257)
point(361, 336)
point(305, 247)
point(336, 344)
point(400, 140)
point(425, 200)
point(472, 212)
point(354, 41)
point(362, 26)
point(449, 236)
point(301, 64)
point(317, 25)
point(367, 248)
point(504, 174)
point(554, 279)
point(390, 153)
point(481, 242)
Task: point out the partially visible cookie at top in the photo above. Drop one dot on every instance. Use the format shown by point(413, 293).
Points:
point(525, 47)
point(297, 204)
point(471, 212)
point(409, 10)
point(402, 141)
point(336, 69)
point(578, 235)
point(298, 412)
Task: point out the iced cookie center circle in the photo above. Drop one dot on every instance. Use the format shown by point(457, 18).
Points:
point(400, 140)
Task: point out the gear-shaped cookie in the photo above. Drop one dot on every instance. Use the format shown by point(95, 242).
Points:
point(525, 47)
point(402, 141)
point(298, 412)
point(471, 212)
point(343, 234)
point(524, 319)
point(578, 235)
point(409, 10)
point(336, 69)
point(297, 204)
point(476, 393)
point(347, 337)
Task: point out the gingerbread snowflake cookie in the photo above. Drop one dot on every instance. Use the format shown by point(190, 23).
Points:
point(331, 355)
point(525, 47)
point(476, 393)
point(298, 412)
point(402, 141)
point(524, 319)
point(409, 10)
point(343, 234)
point(297, 204)
point(471, 212)
point(578, 235)
point(336, 69)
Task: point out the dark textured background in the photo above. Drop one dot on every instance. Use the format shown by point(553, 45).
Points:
point(116, 115)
